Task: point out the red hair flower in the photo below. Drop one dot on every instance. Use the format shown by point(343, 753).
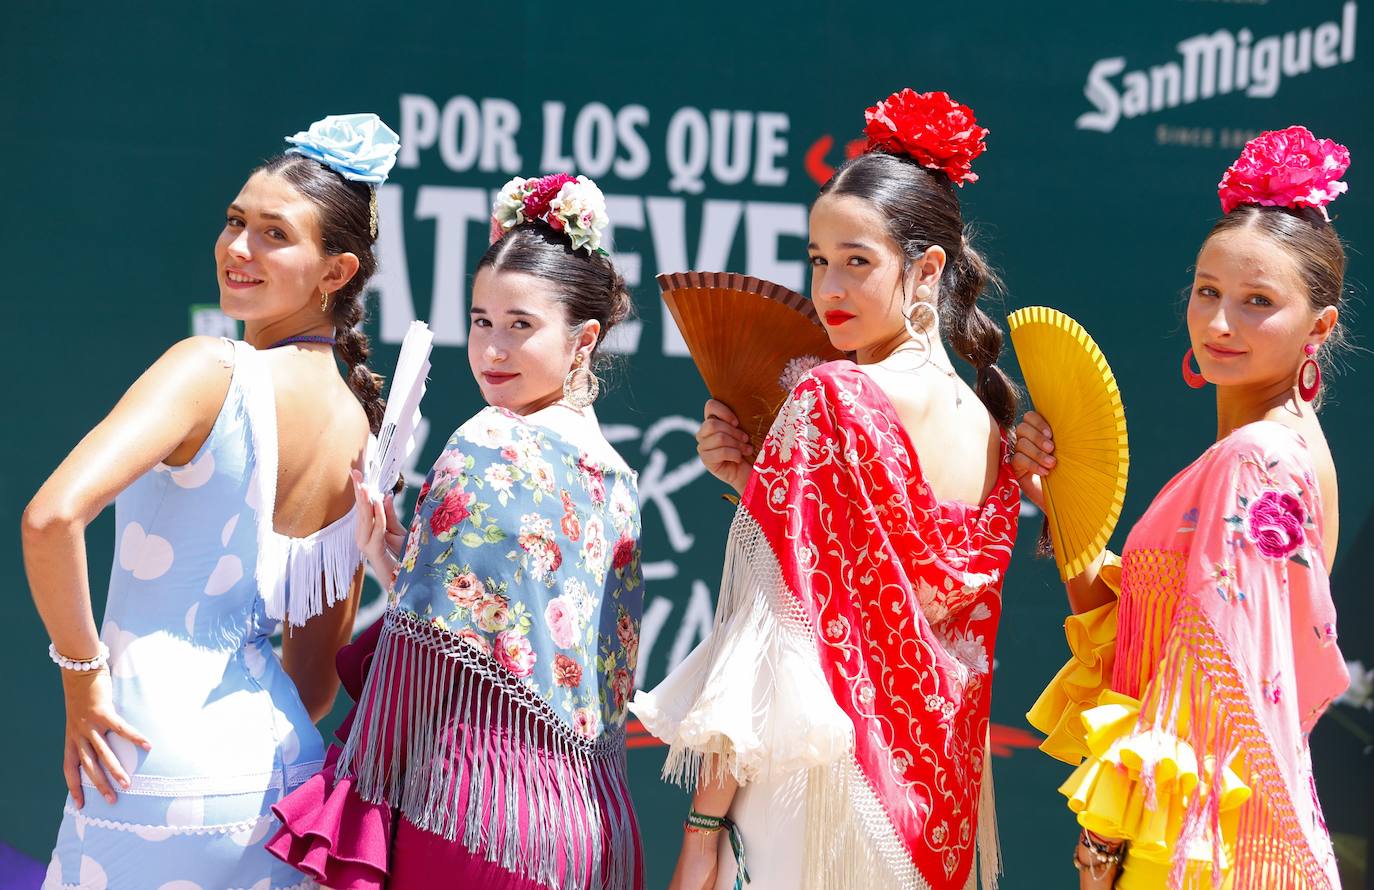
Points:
point(542, 192)
point(931, 129)
point(1285, 168)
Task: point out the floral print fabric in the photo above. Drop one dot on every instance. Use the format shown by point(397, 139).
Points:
point(527, 549)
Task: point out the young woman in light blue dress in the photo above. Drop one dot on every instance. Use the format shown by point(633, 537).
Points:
point(229, 466)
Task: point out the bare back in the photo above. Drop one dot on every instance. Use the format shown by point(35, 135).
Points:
point(957, 441)
point(321, 433)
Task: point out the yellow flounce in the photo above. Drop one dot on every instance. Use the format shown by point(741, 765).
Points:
point(1111, 799)
point(1092, 644)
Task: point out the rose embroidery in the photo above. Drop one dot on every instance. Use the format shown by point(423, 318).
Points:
point(560, 618)
point(450, 513)
point(1273, 523)
point(621, 687)
point(624, 552)
point(587, 723)
point(566, 672)
point(466, 591)
point(515, 653)
point(625, 629)
point(492, 614)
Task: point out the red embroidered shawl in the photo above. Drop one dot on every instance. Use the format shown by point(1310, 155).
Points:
point(903, 596)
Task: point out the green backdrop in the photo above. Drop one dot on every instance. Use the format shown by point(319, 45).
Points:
point(126, 132)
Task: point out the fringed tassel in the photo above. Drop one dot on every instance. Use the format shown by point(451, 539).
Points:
point(849, 840)
point(473, 757)
point(989, 844)
point(318, 571)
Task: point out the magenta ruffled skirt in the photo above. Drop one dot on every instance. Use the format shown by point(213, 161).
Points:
point(344, 842)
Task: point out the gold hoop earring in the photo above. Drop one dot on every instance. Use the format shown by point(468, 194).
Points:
point(580, 398)
point(324, 301)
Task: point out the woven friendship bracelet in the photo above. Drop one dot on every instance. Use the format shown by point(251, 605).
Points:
point(710, 825)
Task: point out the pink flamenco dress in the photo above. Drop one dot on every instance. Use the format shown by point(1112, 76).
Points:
point(1188, 700)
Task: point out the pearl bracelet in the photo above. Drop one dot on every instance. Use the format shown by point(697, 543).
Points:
point(71, 664)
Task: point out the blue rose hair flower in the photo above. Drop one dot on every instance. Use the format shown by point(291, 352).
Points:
point(357, 146)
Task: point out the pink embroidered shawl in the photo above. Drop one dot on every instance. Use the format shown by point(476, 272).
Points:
point(1227, 633)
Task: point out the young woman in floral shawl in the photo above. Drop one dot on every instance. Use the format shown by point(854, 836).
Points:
point(1189, 699)
point(834, 723)
point(487, 747)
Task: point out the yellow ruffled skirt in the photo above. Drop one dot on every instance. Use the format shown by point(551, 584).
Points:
point(1087, 723)
point(1109, 794)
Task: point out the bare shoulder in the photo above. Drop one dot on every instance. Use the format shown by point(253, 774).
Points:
point(193, 375)
point(204, 353)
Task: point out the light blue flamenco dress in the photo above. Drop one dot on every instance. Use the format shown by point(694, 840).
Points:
point(199, 584)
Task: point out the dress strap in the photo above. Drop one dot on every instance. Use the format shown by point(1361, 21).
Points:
point(298, 578)
point(260, 402)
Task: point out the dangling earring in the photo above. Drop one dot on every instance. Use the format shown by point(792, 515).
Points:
point(1191, 377)
point(909, 310)
point(1309, 375)
point(580, 398)
point(324, 301)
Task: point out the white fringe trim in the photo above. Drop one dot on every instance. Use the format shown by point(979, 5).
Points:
point(989, 843)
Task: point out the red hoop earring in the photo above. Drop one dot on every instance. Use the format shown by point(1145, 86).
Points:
point(1309, 375)
point(1191, 377)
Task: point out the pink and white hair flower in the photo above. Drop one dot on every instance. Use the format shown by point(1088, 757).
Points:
point(569, 204)
point(1286, 168)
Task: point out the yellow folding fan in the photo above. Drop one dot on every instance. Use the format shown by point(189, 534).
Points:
point(751, 340)
point(1073, 388)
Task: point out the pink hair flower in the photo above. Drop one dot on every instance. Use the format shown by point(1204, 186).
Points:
point(1285, 168)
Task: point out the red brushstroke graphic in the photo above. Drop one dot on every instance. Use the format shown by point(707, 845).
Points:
point(817, 167)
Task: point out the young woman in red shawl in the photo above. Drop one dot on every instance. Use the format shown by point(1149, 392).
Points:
point(834, 723)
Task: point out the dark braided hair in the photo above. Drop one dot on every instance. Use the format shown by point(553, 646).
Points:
point(921, 210)
point(345, 214)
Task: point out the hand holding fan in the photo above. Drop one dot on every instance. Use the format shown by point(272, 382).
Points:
point(395, 440)
point(1072, 386)
point(751, 340)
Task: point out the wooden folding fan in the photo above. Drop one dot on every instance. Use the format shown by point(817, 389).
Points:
point(751, 340)
point(1074, 390)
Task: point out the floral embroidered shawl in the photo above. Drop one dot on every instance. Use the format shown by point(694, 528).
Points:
point(1227, 633)
point(514, 617)
point(842, 559)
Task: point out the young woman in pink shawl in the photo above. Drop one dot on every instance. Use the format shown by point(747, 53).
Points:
point(1205, 654)
point(836, 717)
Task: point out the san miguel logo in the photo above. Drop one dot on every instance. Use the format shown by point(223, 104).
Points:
point(1213, 65)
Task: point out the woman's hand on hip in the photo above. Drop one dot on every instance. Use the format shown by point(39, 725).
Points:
point(90, 716)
